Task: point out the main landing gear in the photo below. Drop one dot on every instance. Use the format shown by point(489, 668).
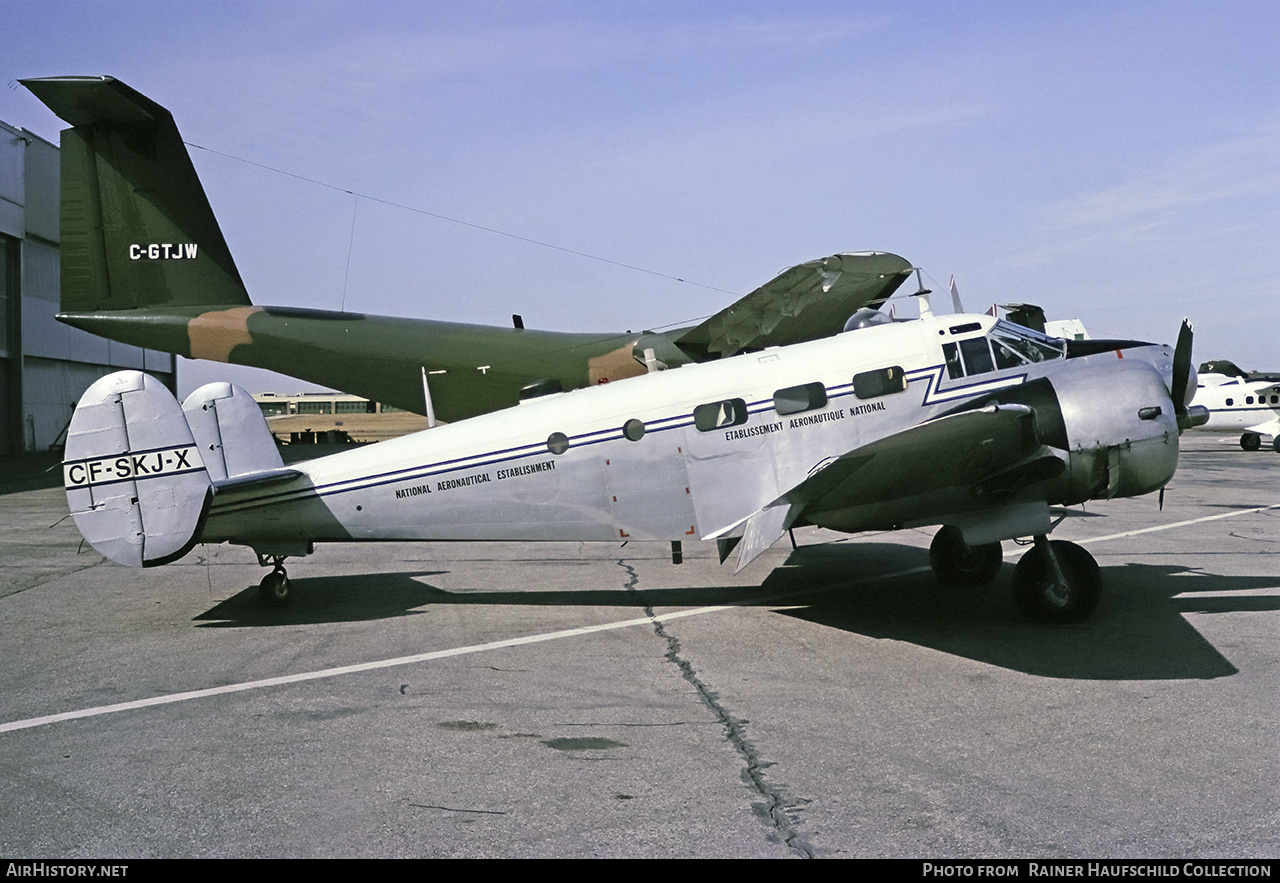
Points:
point(956, 563)
point(275, 590)
point(1055, 582)
point(1251, 441)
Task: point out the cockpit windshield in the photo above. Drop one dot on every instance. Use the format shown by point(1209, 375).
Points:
point(1010, 346)
point(1031, 346)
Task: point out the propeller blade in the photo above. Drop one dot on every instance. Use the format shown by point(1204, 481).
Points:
point(1182, 373)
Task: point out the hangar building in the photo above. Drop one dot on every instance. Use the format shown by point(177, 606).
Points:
point(44, 365)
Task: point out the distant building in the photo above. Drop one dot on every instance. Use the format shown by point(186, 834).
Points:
point(333, 417)
point(45, 366)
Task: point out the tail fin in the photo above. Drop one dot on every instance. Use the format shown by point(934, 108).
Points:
point(137, 229)
point(234, 440)
point(135, 481)
point(141, 471)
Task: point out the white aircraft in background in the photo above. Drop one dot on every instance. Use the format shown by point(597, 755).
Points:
point(1240, 402)
point(968, 422)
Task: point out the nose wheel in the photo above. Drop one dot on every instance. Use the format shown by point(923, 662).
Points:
point(1056, 582)
point(276, 590)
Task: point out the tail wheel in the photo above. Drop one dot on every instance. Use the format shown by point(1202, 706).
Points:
point(956, 563)
point(1057, 582)
point(276, 590)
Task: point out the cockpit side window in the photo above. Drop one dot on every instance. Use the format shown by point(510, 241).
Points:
point(951, 353)
point(977, 356)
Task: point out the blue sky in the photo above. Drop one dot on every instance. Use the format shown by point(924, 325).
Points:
point(1114, 161)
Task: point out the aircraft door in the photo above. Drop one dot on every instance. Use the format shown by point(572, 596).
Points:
point(729, 461)
point(648, 486)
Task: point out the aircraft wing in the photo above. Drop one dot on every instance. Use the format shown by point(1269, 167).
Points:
point(1267, 427)
point(806, 302)
point(991, 452)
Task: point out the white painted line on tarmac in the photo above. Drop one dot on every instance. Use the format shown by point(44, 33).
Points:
point(400, 660)
point(510, 642)
point(1159, 527)
point(1272, 592)
point(352, 669)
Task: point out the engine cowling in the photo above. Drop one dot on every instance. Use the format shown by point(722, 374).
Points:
point(1121, 428)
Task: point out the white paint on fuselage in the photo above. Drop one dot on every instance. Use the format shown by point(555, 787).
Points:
point(493, 477)
point(1239, 405)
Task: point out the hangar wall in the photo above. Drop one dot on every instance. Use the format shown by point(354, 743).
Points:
point(44, 365)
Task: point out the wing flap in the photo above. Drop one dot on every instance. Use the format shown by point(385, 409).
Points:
point(763, 529)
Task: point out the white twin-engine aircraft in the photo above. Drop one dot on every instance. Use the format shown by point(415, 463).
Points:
point(964, 421)
point(1238, 402)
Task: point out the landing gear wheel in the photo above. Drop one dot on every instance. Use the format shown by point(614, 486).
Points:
point(1275, 444)
point(276, 590)
point(956, 563)
point(1056, 582)
point(1251, 441)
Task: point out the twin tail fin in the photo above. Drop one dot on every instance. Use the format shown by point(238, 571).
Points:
point(141, 471)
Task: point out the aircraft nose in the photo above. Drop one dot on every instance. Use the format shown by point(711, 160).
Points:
point(1122, 428)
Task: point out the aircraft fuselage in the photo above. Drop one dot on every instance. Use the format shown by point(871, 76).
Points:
point(691, 453)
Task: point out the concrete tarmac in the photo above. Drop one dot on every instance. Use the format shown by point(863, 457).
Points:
point(562, 700)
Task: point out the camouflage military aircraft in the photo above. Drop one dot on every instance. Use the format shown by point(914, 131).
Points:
point(144, 262)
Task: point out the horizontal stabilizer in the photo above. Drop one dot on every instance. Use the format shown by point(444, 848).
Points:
point(86, 101)
point(134, 477)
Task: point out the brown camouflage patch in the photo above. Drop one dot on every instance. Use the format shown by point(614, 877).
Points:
point(614, 365)
point(214, 334)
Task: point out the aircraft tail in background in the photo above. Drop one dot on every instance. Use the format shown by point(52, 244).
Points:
point(145, 263)
point(137, 229)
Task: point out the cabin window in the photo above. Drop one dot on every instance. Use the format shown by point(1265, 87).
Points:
point(1230, 402)
point(557, 443)
point(883, 382)
point(717, 415)
point(1248, 400)
point(633, 429)
point(795, 399)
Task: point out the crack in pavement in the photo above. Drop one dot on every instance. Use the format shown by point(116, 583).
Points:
point(774, 811)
